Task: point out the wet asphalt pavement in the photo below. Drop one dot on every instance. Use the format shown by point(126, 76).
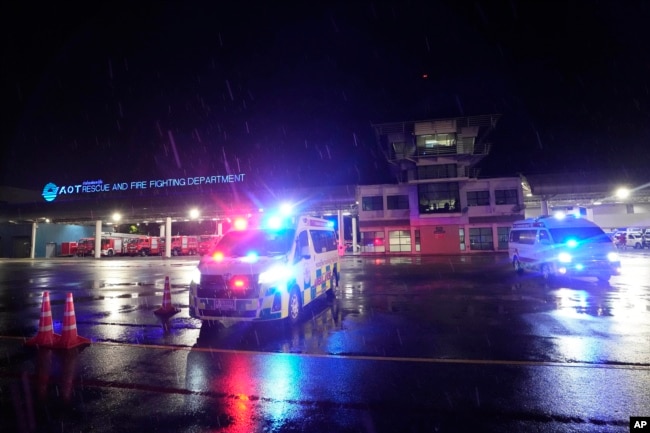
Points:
point(410, 344)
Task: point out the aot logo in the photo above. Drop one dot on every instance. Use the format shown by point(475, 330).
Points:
point(49, 192)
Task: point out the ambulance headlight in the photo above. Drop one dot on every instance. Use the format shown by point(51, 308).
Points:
point(276, 274)
point(564, 257)
point(613, 257)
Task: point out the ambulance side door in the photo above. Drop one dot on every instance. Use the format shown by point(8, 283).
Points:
point(544, 248)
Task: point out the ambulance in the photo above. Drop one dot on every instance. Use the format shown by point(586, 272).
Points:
point(267, 272)
point(563, 245)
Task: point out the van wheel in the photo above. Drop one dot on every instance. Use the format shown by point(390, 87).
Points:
point(604, 278)
point(546, 272)
point(517, 265)
point(295, 306)
point(637, 246)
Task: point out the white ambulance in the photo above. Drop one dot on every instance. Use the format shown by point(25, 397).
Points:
point(267, 272)
point(563, 245)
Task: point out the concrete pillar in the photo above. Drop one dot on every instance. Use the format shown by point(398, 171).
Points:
point(168, 237)
point(220, 229)
point(98, 239)
point(354, 235)
point(544, 204)
point(32, 248)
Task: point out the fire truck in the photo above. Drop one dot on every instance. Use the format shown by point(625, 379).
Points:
point(206, 242)
point(85, 247)
point(145, 246)
point(182, 245)
point(110, 246)
point(68, 249)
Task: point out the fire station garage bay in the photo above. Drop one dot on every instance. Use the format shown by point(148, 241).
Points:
point(438, 204)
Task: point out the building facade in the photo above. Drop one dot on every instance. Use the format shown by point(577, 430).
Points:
point(439, 205)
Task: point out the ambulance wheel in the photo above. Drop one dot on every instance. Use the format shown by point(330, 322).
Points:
point(546, 272)
point(295, 306)
point(517, 265)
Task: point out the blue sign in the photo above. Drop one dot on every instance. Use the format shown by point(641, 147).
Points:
point(52, 191)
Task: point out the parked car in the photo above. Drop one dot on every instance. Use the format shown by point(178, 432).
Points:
point(646, 239)
point(635, 240)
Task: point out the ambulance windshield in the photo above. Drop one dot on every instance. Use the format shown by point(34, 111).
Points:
point(241, 243)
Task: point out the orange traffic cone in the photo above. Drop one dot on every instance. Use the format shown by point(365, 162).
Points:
point(46, 336)
point(167, 308)
point(69, 337)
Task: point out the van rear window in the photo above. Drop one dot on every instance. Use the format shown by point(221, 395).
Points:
point(523, 236)
point(580, 234)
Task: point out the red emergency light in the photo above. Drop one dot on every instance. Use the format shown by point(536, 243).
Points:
point(240, 224)
point(238, 283)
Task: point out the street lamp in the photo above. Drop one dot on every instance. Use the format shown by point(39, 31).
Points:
point(622, 193)
point(194, 213)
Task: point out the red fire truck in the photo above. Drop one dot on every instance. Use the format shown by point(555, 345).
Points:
point(145, 246)
point(85, 247)
point(110, 246)
point(182, 245)
point(206, 242)
point(68, 249)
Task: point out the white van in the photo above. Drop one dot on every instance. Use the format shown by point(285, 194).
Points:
point(634, 240)
point(563, 245)
point(268, 272)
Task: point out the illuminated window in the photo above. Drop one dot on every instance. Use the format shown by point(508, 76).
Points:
point(439, 197)
point(461, 236)
point(435, 140)
point(399, 241)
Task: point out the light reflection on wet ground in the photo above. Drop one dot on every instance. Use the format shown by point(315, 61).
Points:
point(402, 306)
point(420, 338)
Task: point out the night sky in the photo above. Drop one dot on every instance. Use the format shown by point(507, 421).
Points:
point(287, 92)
